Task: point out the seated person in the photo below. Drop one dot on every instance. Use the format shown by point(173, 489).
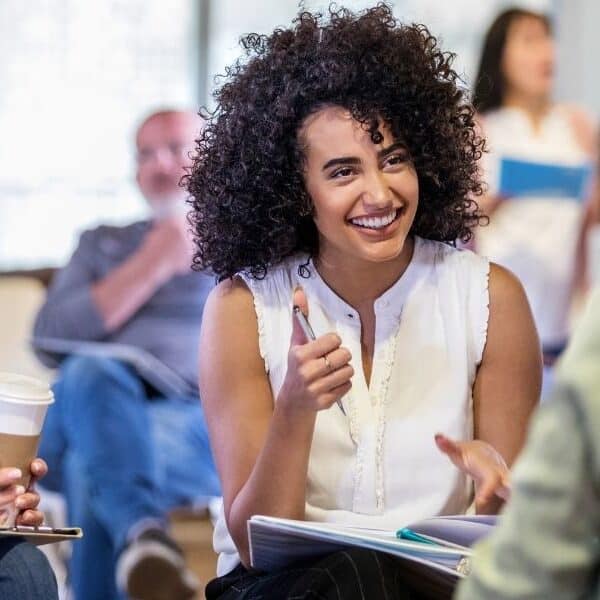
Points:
point(24, 570)
point(336, 174)
point(129, 451)
point(546, 545)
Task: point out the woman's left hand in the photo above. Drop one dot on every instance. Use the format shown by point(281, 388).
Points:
point(483, 464)
point(27, 503)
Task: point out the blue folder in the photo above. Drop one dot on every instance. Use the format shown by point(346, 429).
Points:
point(520, 178)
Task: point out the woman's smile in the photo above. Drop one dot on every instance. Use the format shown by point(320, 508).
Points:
point(377, 224)
point(365, 194)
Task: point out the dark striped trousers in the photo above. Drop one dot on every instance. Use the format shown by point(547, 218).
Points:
point(352, 574)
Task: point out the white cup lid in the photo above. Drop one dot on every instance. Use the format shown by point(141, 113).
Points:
point(17, 388)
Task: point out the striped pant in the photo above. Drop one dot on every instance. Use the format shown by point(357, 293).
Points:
point(352, 574)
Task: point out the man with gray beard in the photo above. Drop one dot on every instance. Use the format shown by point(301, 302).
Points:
point(127, 433)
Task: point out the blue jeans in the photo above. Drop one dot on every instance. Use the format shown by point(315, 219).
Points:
point(25, 572)
point(122, 457)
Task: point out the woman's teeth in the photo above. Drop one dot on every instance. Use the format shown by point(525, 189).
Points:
point(375, 222)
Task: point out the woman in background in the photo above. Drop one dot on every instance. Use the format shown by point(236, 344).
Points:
point(539, 237)
point(336, 174)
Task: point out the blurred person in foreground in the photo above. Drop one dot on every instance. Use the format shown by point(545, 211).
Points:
point(24, 570)
point(539, 235)
point(130, 451)
point(547, 543)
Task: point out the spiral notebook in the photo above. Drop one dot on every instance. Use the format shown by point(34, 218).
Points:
point(438, 561)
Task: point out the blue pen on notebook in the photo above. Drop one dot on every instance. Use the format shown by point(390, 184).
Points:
point(463, 566)
point(408, 534)
point(310, 335)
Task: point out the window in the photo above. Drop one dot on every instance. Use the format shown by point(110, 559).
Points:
point(76, 78)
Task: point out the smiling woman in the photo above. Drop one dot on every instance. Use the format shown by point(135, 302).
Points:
point(382, 75)
point(382, 174)
point(335, 176)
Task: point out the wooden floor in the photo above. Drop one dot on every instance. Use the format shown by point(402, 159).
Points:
point(193, 532)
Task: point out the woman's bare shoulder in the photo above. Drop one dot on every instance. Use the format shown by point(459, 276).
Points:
point(511, 321)
point(505, 287)
point(229, 297)
point(229, 320)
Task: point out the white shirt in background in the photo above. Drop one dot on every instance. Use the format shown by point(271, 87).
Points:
point(535, 237)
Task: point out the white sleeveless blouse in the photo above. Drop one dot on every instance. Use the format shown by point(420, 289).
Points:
point(378, 466)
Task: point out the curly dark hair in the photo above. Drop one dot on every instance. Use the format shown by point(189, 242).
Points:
point(251, 208)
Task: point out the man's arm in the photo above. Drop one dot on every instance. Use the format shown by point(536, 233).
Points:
point(166, 251)
point(80, 306)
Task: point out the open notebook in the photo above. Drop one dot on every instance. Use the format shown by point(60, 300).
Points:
point(441, 558)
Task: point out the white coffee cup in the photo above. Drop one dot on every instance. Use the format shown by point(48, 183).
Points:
point(23, 405)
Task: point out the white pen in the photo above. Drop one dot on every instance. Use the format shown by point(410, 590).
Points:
point(310, 334)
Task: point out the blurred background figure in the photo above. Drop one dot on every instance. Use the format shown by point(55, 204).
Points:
point(592, 243)
point(127, 432)
point(546, 545)
point(541, 199)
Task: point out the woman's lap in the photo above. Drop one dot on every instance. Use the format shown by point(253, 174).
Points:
point(25, 572)
point(355, 573)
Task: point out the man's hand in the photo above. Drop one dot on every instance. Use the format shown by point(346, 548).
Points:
point(166, 250)
point(26, 500)
point(169, 244)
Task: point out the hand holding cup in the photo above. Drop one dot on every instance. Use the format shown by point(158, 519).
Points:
point(12, 493)
point(23, 405)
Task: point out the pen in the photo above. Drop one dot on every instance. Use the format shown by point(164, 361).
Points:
point(464, 564)
point(310, 335)
point(408, 534)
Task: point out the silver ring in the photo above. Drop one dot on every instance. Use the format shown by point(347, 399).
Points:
point(328, 364)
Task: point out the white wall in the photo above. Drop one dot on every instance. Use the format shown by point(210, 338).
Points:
point(579, 52)
point(76, 76)
point(75, 79)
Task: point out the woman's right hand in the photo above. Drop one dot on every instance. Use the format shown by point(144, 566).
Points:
point(318, 372)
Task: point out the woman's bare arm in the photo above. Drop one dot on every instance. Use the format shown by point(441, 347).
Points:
point(508, 382)
point(505, 392)
point(261, 447)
